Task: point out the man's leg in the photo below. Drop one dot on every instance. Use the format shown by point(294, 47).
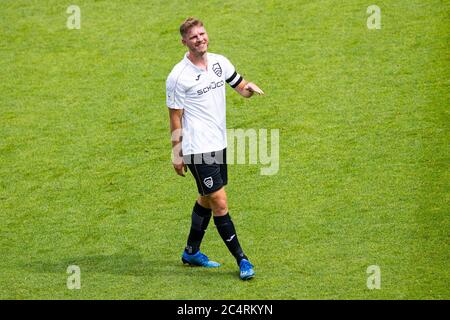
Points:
point(204, 201)
point(225, 226)
point(201, 214)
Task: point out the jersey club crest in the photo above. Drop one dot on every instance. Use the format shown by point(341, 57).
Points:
point(217, 69)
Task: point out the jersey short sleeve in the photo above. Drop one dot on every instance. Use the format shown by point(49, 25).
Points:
point(175, 93)
point(231, 76)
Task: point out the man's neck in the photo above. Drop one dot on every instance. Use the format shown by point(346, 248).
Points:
point(200, 61)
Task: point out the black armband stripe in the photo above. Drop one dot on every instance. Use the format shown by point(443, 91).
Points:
point(237, 83)
point(232, 77)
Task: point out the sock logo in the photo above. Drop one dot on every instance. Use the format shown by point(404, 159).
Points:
point(208, 182)
point(231, 238)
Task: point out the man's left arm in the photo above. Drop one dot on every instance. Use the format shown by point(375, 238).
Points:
point(247, 89)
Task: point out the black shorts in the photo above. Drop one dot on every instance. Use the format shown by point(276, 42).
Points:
point(209, 170)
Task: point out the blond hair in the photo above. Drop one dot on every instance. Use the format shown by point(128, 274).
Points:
point(188, 24)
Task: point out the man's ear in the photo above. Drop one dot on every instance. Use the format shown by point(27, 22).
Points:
point(183, 41)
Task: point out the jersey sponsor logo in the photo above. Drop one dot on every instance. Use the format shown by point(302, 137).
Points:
point(217, 69)
point(212, 86)
point(208, 182)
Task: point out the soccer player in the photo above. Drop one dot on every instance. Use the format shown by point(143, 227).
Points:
point(196, 100)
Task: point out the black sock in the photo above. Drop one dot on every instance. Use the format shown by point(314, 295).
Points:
point(200, 221)
point(228, 233)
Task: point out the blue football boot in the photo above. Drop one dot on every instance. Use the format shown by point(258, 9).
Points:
point(198, 259)
point(246, 270)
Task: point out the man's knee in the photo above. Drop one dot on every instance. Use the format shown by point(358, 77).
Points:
point(204, 201)
point(218, 201)
point(220, 207)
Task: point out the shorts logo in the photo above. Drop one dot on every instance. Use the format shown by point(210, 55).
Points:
point(208, 182)
point(217, 69)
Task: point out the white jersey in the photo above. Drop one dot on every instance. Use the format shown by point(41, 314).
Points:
point(201, 93)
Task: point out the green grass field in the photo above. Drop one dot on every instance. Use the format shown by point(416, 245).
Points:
point(85, 171)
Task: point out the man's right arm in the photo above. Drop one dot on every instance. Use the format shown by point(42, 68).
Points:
point(176, 134)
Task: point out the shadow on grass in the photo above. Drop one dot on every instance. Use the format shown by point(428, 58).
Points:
point(125, 264)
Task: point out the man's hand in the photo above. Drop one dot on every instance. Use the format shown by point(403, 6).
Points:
point(180, 168)
point(250, 86)
point(246, 89)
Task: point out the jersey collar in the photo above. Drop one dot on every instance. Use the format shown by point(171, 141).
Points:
point(186, 59)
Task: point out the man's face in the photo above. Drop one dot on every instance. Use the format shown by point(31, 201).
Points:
point(196, 39)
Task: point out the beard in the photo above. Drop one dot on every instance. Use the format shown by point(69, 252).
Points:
point(201, 49)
